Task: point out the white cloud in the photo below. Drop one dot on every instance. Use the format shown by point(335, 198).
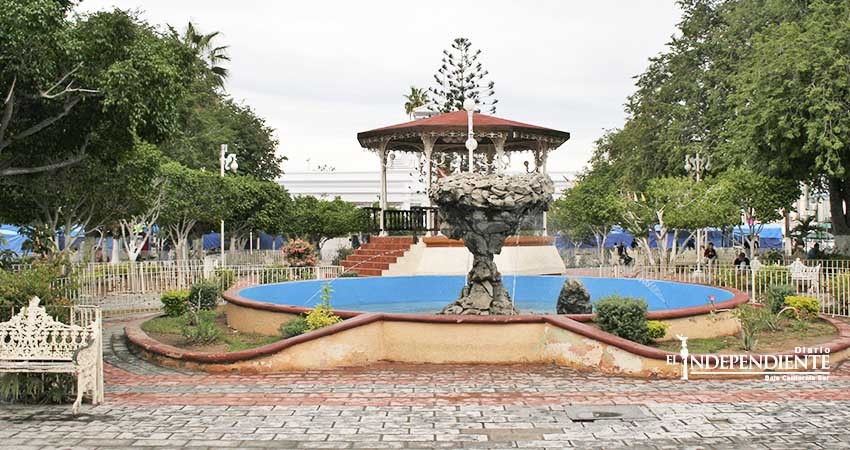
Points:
point(321, 71)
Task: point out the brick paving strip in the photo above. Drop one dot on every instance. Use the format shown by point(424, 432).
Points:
point(427, 406)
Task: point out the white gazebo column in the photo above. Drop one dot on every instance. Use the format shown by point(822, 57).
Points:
point(541, 154)
point(382, 155)
point(428, 142)
point(540, 157)
point(499, 145)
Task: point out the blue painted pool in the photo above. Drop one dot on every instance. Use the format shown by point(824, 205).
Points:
point(429, 294)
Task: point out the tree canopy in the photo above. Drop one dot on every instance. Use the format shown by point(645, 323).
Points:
point(318, 220)
point(87, 88)
point(761, 87)
point(106, 122)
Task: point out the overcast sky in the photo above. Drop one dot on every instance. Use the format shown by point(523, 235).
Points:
point(321, 71)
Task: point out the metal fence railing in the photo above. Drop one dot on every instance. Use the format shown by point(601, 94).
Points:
point(133, 286)
point(826, 280)
point(137, 286)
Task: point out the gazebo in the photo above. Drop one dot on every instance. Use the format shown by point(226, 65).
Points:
point(446, 134)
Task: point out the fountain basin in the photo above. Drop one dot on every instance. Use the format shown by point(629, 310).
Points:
point(428, 294)
point(684, 306)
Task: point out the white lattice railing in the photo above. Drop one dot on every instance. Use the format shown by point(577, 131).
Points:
point(828, 281)
point(141, 282)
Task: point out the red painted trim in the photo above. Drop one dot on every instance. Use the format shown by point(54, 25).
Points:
point(355, 319)
point(511, 241)
point(141, 339)
point(138, 337)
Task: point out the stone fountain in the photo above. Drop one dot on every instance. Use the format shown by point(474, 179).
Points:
point(483, 210)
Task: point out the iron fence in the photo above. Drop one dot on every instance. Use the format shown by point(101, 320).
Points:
point(136, 286)
point(826, 280)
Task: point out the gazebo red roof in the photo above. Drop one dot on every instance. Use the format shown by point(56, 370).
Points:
point(457, 121)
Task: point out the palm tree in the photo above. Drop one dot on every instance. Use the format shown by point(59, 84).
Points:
point(213, 55)
point(416, 98)
point(804, 229)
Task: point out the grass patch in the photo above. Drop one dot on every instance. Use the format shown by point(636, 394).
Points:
point(168, 330)
point(237, 342)
point(707, 345)
point(791, 333)
point(163, 325)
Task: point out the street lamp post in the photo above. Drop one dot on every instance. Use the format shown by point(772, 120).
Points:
point(471, 143)
point(227, 162)
point(697, 166)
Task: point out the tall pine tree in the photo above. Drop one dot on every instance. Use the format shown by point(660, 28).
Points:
point(459, 77)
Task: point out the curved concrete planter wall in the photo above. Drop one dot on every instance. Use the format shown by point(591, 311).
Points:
point(366, 338)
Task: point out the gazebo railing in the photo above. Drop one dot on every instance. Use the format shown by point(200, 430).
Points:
point(424, 219)
point(415, 219)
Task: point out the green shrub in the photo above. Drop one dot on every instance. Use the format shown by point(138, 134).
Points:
point(772, 257)
point(37, 388)
point(8, 258)
point(573, 299)
point(294, 327)
point(624, 317)
point(753, 321)
point(774, 299)
point(204, 295)
point(174, 303)
point(806, 307)
point(200, 328)
point(225, 278)
point(656, 329)
point(322, 314)
point(348, 274)
point(17, 288)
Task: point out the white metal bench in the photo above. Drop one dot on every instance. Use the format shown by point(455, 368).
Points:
point(33, 342)
point(802, 272)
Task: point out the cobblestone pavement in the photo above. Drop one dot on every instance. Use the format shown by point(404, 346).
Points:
point(426, 406)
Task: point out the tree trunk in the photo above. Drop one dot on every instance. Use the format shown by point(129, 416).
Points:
point(838, 198)
point(116, 250)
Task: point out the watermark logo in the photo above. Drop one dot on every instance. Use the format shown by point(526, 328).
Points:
point(805, 364)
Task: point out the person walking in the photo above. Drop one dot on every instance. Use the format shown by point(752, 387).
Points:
point(710, 254)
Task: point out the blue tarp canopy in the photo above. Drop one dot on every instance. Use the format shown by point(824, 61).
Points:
point(770, 236)
point(11, 240)
point(213, 240)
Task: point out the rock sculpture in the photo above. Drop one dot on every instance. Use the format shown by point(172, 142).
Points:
point(483, 210)
point(574, 299)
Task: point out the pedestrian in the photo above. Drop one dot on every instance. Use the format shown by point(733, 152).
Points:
point(742, 262)
point(710, 253)
point(623, 253)
point(814, 252)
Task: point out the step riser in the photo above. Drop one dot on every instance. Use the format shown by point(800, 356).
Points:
point(372, 258)
point(369, 272)
point(378, 255)
point(405, 240)
point(365, 265)
point(384, 247)
point(379, 252)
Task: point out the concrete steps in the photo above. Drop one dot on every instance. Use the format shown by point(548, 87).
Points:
point(373, 258)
